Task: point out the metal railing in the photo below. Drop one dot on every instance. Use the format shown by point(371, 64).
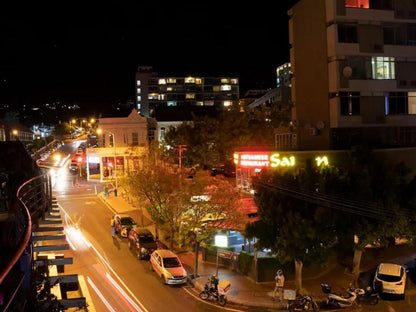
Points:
point(34, 199)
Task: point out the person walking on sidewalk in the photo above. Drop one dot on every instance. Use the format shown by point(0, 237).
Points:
point(113, 227)
point(280, 283)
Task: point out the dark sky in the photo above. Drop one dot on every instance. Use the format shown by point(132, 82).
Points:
point(89, 54)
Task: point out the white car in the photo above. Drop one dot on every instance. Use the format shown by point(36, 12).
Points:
point(168, 266)
point(390, 278)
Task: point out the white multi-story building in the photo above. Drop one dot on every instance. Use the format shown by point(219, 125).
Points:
point(354, 73)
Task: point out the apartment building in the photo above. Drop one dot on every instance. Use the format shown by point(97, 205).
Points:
point(354, 73)
point(154, 92)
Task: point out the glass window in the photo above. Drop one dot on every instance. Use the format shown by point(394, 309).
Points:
point(349, 103)
point(172, 103)
point(227, 103)
point(139, 90)
point(139, 98)
point(162, 81)
point(209, 103)
point(225, 87)
point(171, 80)
point(397, 103)
point(216, 88)
point(357, 4)
point(234, 81)
point(138, 82)
point(189, 80)
point(382, 67)
point(199, 103)
point(135, 138)
point(411, 34)
point(412, 102)
point(347, 33)
point(198, 80)
point(190, 95)
point(225, 80)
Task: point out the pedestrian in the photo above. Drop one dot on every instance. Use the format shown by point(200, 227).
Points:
point(280, 283)
point(113, 227)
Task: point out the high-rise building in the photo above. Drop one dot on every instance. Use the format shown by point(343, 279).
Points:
point(153, 92)
point(354, 73)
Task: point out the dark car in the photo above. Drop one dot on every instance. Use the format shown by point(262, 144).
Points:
point(124, 223)
point(227, 170)
point(142, 242)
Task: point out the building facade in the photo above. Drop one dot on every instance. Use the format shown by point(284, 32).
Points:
point(354, 73)
point(154, 92)
point(122, 142)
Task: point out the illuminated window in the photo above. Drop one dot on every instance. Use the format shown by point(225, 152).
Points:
point(138, 82)
point(227, 103)
point(234, 81)
point(171, 80)
point(198, 80)
point(169, 89)
point(162, 81)
point(190, 95)
point(172, 103)
point(161, 97)
point(199, 103)
point(209, 103)
point(412, 102)
point(382, 67)
point(357, 4)
point(189, 80)
point(225, 80)
point(225, 88)
point(139, 98)
point(139, 90)
point(216, 88)
point(152, 96)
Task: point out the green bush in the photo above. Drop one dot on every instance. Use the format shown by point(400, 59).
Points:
point(212, 250)
point(244, 262)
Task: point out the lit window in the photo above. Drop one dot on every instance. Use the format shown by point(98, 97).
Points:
point(216, 88)
point(209, 103)
point(169, 89)
point(357, 4)
point(225, 87)
point(135, 138)
point(199, 103)
point(234, 81)
point(172, 103)
point(190, 95)
point(139, 90)
point(198, 80)
point(161, 97)
point(189, 80)
point(225, 80)
point(171, 80)
point(383, 67)
point(227, 103)
point(139, 82)
point(139, 98)
point(152, 96)
point(162, 81)
point(412, 102)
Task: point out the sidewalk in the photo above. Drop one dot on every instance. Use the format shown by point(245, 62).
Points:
point(244, 290)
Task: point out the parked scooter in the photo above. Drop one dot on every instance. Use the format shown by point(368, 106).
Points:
point(305, 303)
point(367, 296)
point(337, 300)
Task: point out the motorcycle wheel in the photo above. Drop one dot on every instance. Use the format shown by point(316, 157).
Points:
point(374, 300)
point(204, 295)
point(315, 307)
point(222, 301)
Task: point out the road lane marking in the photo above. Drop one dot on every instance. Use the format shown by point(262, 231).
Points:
point(107, 265)
point(106, 303)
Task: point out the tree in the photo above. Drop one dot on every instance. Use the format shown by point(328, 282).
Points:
point(209, 203)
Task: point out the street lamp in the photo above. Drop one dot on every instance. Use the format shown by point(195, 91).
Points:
point(15, 132)
point(99, 131)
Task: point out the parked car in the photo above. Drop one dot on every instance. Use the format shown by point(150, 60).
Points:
point(123, 224)
point(142, 242)
point(390, 278)
point(168, 266)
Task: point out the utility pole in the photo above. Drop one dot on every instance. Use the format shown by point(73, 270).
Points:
point(181, 148)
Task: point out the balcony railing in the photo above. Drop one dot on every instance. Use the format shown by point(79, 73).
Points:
point(34, 198)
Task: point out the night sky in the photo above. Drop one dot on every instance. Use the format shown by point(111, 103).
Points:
point(89, 54)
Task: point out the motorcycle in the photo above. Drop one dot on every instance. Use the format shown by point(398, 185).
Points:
point(305, 303)
point(220, 295)
point(337, 300)
point(367, 296)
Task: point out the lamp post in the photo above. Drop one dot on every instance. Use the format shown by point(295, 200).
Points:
point(99, 131)
point(15, 132)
